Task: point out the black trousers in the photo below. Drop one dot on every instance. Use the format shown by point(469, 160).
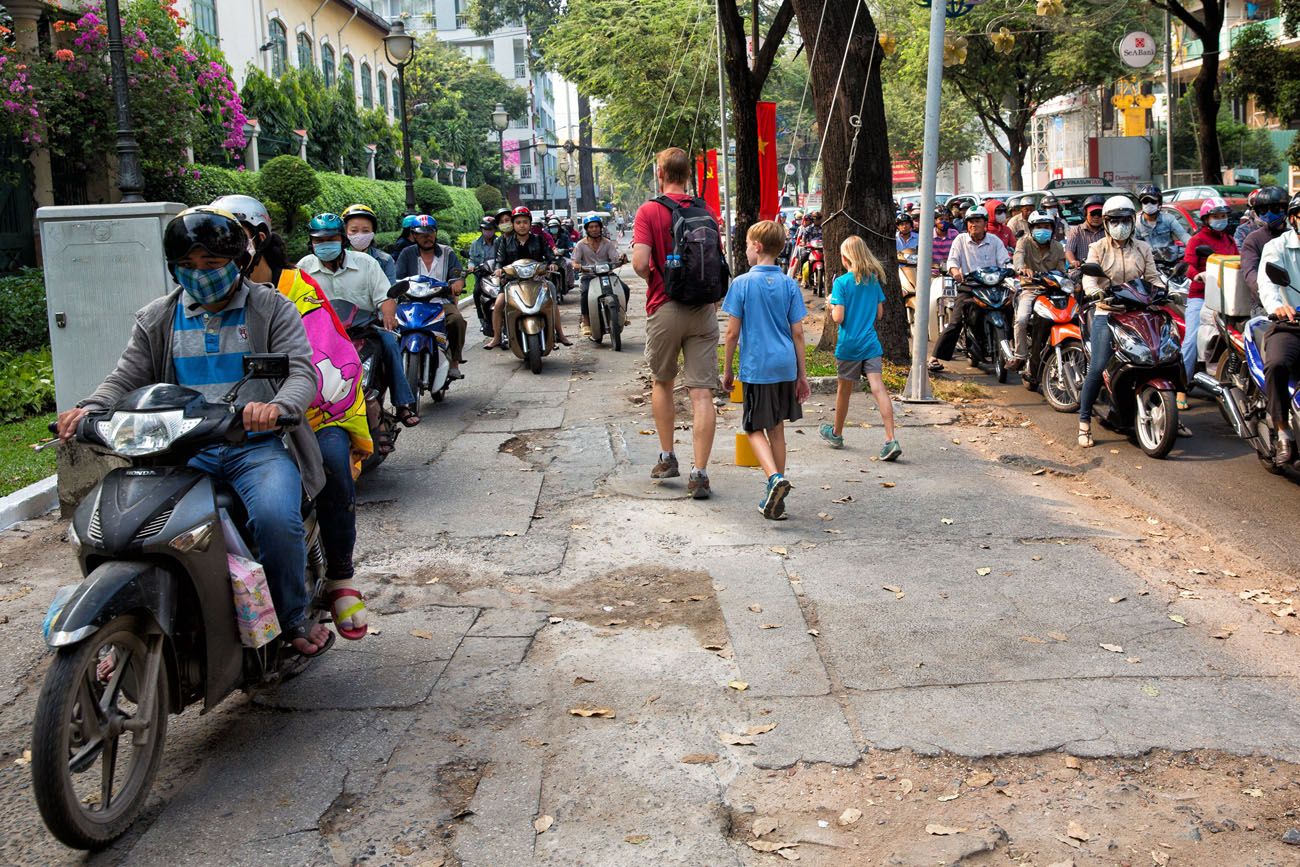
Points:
point(1281, 362)
point(946, 345)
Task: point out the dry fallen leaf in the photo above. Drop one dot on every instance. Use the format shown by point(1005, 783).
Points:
point(542, 823)
point(1254, 793)
point(1058, 636)
point(1113, 648)
point(732, 739)
point(1076, 831)
point(421, 633)
point(554, 620)
point(1179, 619)
point(762, 826)
point(1159, 858)
point(1116, 599)
point(979, 780)
point(636, 839)
point(777, 549)
point(943, 830)
point(760, 729)
point(738, 685)
point(887, 485)
point(945, 520)
point(769, 845)
point(849, 816)
point(813, 632)
point(1073, 762)
point(699, 758)
point(591, 710)
point(983, 570)
point(905, 785)
point(1032, 639)
point(580, 680)
point(757, 609)
point(769, 626)
point(950, 797)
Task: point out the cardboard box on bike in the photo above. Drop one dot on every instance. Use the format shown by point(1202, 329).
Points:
point(1225, 292)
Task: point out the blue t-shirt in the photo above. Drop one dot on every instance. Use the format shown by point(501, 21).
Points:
point(857, 340)
point(767, 303)
point(911, 243)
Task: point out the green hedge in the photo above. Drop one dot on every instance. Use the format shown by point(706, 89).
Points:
point(462, 242)
point(462, 216)
point(23, 322)
point(214, 181)
point(388, 198)
point(27, 388)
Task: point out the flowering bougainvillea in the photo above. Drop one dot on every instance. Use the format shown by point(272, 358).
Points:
point(181, 91)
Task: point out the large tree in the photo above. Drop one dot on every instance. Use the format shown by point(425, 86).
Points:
point(1204, 18)
point(745, 87)
point(857, 174)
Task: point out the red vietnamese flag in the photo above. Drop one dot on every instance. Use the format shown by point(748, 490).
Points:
point(706, 171)
point(769, 196)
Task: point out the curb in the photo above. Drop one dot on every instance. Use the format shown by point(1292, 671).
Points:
point(30, 502)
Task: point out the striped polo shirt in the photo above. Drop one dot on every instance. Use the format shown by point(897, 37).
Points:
point(208, 348)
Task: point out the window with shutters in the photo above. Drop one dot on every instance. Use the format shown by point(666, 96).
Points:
point(279, 48)
point(305, 60)
point(367, 95)
point(327, 64)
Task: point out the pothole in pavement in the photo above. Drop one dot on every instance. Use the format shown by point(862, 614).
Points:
point(1025, 462)
point(646, 597)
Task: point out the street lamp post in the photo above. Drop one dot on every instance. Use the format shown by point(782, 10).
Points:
point(129, 179)
point(501, 120)
point(399, 47)
point(546, 181)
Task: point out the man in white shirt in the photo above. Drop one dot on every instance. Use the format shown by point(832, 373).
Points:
point(972, 250)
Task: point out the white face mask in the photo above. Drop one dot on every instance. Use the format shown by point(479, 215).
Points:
point(1150, 209)
point(1119, 231)
point(361, 240)
point(1051, 212)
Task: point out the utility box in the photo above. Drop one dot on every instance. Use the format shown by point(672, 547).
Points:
point(102, 264)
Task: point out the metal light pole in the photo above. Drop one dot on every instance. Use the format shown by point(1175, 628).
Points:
point(399, 48)
point(130, 181)
point(1169, 102)
point(501, 120)
point(724, 184)
point(541, 148)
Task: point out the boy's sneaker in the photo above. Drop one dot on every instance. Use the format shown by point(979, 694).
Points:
point(666, 468)
point(773, 504)
point(697, 485)
point(828, 433)
point(891, 451)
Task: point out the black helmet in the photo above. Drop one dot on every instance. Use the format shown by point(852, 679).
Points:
point(487, 223)
point(1048, 201)
point(216, 231)
point(1150, 191)
point(900, 218)
point(1267, 197)
point(502, 212)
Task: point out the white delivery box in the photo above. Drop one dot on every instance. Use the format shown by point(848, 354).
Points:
point(1225, 291)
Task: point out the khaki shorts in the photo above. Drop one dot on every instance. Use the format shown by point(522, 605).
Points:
point(853, 371)
point(692, 331)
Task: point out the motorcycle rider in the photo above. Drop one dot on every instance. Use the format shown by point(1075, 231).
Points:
point(974, 249)
point(480, 251)
point(521, 243)
point(596, 249)
point(1036, 253)
point(1020, 208)
point(1157, 228)
point(944, 235)
point(196, 337)
point(428, 258)
point(1270, 206)
point(957, 209)
point(346, 275)
point(1282, 343)
point(342, 431)
point(812, 231)
point(905, 239)
point(1123, 258)
point(1080, 238)
point(360, 223)
point(404, 239)
point(503, 221)
point(997, 211)
point(1214, 234)
point(1250, 219)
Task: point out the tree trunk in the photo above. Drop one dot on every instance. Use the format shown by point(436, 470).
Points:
point(858, 192)
point(586, 174)
point(1018, 144)
point(1206, 90)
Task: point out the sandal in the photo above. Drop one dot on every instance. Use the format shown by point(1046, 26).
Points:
point(564, 341)
point(342, 610)
point(303, 632)
point(408, 416)
point(492, 344)
point(1181, 402)
point(935, 365)
point(383, 440)
point(1085, 435)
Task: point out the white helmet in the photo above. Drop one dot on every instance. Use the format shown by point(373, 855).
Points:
point(1118, 207)
point(1039, 217)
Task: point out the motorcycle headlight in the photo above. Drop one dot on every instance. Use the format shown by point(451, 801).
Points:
point(1132, 346)
point(133, 434)
point(990, 278)
point(525, 271)
point(419, 291)
point(1169, 345)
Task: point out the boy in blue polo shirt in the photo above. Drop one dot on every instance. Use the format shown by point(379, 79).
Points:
point(767, 312)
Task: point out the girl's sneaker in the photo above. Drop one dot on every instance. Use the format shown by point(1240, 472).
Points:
point(828, 433)
point(773, 503)
point(891, 451)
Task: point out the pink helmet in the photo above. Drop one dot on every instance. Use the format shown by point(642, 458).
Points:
point(1211, 205)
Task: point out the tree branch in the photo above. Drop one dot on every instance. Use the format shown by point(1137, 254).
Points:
point(772, 44)
point(1179, 11)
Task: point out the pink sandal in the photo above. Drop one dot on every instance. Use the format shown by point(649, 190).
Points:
point(343, 611)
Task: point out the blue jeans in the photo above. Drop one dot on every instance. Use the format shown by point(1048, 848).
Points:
point(336, 505)
point(1102, 344)
point(1192, 324)
point(270, 487)
point(399, 390)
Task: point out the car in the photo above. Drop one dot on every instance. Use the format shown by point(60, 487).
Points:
point(973, 199)
point(1204, 191)
point(1187, 213)
point(1071, 193)
point(939, 199)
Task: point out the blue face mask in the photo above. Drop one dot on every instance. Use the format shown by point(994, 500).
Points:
point(328, 251)
point(209, 287)
point(1272, 219)
point(1220, 224)
point(1042, 236)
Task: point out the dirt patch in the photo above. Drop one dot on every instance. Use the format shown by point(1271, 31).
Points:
point(646, 597)
point(516, 446)
point(1204, 808)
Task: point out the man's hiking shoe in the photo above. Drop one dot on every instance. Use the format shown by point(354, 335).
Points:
point(828, 433)
point(666, 468)
point(697, 485)
point(891, 451)
point(773, 505)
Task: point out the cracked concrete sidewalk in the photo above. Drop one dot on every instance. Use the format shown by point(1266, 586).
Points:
point(520, 564)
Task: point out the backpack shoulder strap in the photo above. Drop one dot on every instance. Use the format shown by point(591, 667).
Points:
point(668, 203)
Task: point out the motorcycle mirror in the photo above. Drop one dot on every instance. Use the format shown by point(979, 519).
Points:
point(266, 365)
point(398, 289)
point(1204, 250)
point(1277, 274)
point(1092, 269)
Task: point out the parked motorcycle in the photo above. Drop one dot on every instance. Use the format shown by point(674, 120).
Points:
point(151, 629)
point(1146, 368)
point(1240, 387)
point(486, 289)
point(529, 325)
point(988, 319)
point(1058, 360)
point(363, 329)
point(422, 330)
point(605, 304)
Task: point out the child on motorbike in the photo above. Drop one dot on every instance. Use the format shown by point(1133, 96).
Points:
point(857, 302)
point(767, 311)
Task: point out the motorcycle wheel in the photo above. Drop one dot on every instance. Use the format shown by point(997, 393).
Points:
point(1062, 382)
point(614, 318)
point(533, 352)
point(1265, 454)
point(414, 363)
point(1156, 422)
point(997, 335)
point(82, 807)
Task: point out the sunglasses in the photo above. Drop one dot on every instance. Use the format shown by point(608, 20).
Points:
point(1000, 210)
point(1150, 202)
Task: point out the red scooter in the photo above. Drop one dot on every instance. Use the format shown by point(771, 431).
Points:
point(817, 267)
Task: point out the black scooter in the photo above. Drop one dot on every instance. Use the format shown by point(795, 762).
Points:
point(988, 318)
point(363, 330)
point(151, 629)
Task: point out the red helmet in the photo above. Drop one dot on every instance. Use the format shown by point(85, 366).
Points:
point(521, 211)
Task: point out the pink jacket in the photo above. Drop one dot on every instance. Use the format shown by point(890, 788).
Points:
point(1222, 244)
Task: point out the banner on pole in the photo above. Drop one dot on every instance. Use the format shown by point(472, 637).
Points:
point(706, 173)
point(769, 196)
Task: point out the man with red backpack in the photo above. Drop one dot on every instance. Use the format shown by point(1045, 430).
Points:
point(677, 250)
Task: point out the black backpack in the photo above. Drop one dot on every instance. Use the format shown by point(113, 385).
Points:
point(695, 272)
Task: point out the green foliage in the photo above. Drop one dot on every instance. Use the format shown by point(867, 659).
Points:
point(199, 185)
point(388, 198)
point(20, 464)
point(1239, 144)
point(23, 323)
point(1264, 68)
point(290, 183)
point(462, 242)
point(487, 15)
point(489, 198)
point(431, 196)
point(27, 387)
point(462, 216)
point(386, 239)
point(959, 134)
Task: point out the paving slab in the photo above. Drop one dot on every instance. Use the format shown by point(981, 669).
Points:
point(809, 729)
